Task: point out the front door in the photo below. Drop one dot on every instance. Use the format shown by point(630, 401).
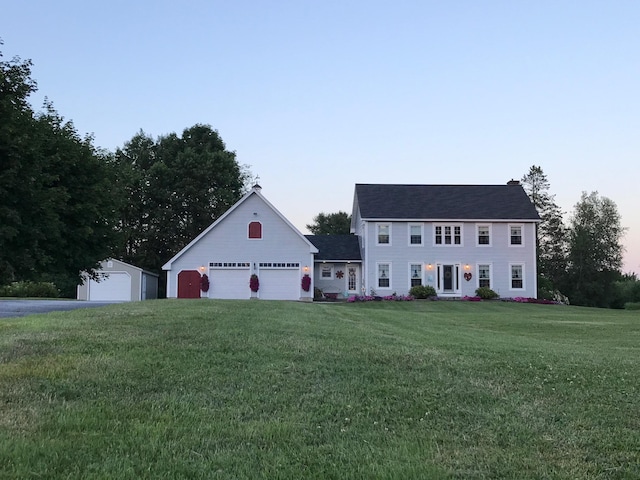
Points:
point(448, 279)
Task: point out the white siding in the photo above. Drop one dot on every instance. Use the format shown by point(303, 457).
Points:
point(499, 254)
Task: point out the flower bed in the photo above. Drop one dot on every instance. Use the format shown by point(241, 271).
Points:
point(375, 298)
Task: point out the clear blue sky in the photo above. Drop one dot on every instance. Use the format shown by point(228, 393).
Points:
point(317, 96)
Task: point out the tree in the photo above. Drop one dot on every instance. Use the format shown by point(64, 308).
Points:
point(595, 251)
point(551, 233)
point(338, 223)
point(56, 218)
point(176, 187)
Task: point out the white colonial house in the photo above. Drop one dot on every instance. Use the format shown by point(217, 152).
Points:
point(455, 238)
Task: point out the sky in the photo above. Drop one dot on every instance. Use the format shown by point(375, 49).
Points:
point(316, 96)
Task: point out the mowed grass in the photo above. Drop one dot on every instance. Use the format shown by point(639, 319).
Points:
point(280, 390)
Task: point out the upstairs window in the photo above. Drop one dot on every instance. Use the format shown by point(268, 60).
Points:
point(415, 234)
point(448, 235)
point(255, 230)
point(384, 234)
point(484, 234)
point(515, 235)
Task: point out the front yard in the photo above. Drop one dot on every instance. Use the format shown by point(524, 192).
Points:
point(240, 389)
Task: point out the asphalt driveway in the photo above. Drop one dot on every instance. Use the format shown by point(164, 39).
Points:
point(22, 308)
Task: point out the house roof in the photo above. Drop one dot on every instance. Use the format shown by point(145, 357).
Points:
point(444, 202)
point(336, 247)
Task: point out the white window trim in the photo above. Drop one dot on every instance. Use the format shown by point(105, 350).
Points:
point(490, 274)
point(452, 225)
point(330, 266)
point(377, 232)
point(421, 272)
point(521, 225)
point(378, 278)
point(478, 244)
point(421, 225)
point(524, 283)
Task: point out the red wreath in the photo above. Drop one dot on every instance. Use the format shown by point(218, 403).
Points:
point(306, 282)
point(254, 283)
point(339, 274)
point(204, 283)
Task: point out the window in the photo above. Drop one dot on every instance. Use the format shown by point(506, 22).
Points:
point(484, 234)
point(384, 234)
point(326, 272)
point(517, 277)
point(515, 235)
point(384, 273)
point(255, 230)
point(229, 264)
point(448, 235)
point(415, 274)
point(415, 234)
point(484, 276)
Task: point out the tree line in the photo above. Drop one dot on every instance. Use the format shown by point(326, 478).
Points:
point(580, 258)
point(65, 204)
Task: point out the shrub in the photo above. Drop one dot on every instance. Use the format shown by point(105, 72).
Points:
point(632, 306)
point(422, 291)
point(486, 293)
point(30, 289)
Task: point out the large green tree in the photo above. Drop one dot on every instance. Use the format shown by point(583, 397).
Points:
point(595, 251)
point(175, 187)
point(551, 233)
point(56, 213)
point(338, 223)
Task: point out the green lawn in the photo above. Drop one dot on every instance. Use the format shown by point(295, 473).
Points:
point(279, 390)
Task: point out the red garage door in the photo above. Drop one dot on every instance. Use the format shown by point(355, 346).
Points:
point(189, 284)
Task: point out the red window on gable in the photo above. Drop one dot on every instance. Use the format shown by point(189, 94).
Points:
point(255, 230)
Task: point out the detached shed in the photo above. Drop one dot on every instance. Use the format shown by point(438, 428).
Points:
point(120, 282)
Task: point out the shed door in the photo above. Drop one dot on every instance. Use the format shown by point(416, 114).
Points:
point(114, 286)
point(189, 284)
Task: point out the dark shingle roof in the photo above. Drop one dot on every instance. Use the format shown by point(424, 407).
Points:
point(336, 247)
point(445, 202)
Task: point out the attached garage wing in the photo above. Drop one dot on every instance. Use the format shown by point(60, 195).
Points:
point(114, 286)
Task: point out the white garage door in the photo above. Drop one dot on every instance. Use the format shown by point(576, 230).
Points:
point(229, 283)
point(280, 284)
point(115, 287)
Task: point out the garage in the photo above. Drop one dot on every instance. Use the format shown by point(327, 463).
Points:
point(114, 286)
point(229, 283)
point(279, 284)
point(119, 282)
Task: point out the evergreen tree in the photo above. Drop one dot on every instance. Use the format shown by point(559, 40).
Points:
point(551, 233)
